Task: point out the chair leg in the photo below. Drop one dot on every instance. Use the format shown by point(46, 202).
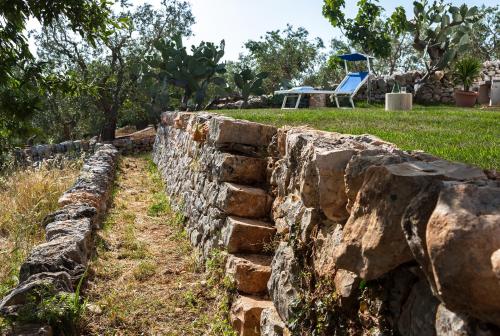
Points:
point(352, 102)
point(298, 102)
point(337, 102)
point(284, 102)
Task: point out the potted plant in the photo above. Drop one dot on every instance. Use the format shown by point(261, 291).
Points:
point(466, 70)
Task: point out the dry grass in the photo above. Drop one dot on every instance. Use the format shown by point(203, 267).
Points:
point(147, 279)
point(26, 197)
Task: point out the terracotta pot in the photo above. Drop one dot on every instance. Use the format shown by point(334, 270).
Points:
point(465, 98)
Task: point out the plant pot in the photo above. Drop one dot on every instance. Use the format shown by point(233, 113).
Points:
point(465, 98)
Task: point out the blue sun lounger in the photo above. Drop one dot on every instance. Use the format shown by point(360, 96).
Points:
point(353, 81)
point(349, 87)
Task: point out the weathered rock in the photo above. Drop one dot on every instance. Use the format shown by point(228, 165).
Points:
point(49, 283)
point(284, 282)
point(449, 323)
point(92, 199)
point(245, 315)
point(495, 263)
point(81, 228)
point(331, 165)
point(327, 240)
point(419, 311)
point(373, 241)
point(359, 163)
point(32, 330)
point(73, 211)
point(287, 213)
point(271, 323)
point(243, 201)
point(65, 254)
point(227, 131)
point(414, 224)
point(242, 235)
point(250, 272)
point(240, 169)
point(346, 288)
point(462, 234)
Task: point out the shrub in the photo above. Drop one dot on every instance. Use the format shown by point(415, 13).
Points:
point(26, 197)
point(466, 70)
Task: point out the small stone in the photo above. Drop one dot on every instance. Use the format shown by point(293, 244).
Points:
point(245, 315)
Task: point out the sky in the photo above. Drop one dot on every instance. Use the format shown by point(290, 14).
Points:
point(237, 21)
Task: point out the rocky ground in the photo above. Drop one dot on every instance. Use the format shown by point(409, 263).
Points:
point(146, 279)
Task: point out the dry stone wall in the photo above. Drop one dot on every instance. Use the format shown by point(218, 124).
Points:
point(58, 264)
point(32, 155)
point(336, 234)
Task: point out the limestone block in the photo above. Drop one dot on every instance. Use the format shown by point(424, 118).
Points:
point(243, 235)
point(240, 169)
point(284, 283)
point(328, 239)
point(462, 234)
point(346, 287)
point(243, 201)
point(81, 228)
point(271, 323)
point(373, 241)
point(450, 323)
point(224, 130)
point(54, 282)
point(250, 272)
point(65, 254)
point(359, 163)
point(245, 315)
point(331, 165)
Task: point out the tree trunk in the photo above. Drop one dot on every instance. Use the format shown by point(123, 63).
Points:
point(185, 99)
point(109, 127)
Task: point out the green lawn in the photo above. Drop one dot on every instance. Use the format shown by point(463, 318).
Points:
point(466, 135)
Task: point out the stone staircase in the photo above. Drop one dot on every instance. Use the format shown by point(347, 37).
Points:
point(218, 167)
point(247, 237)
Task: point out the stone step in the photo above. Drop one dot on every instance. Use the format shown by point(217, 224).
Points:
point(243, 201)
point(240, 169)
point(250, 272)
point(243, 235)
point(225, 130)
point(245, 314)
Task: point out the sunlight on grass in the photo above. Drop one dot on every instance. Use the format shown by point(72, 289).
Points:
point(467, 135)
point(26, 197)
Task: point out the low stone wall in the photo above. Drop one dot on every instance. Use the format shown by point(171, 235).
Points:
point(58, 265)
point(138, 142)
point(364, 238)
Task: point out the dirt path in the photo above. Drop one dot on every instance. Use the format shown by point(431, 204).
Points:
point(146, 279)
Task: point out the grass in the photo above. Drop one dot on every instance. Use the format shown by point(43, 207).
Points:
point(147, 279)
point(457, 134)
point(26, 197)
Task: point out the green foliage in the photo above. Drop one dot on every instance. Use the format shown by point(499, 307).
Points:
point(485, 34)
point(61, 310)
point(330, 69)
point(439, 31)
point(192, 72)
point(101, 82)
point(366, 30)
point(22, 82)
point(249, 83)
point(285, 56)
point(466, 70)
point(160, 206)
